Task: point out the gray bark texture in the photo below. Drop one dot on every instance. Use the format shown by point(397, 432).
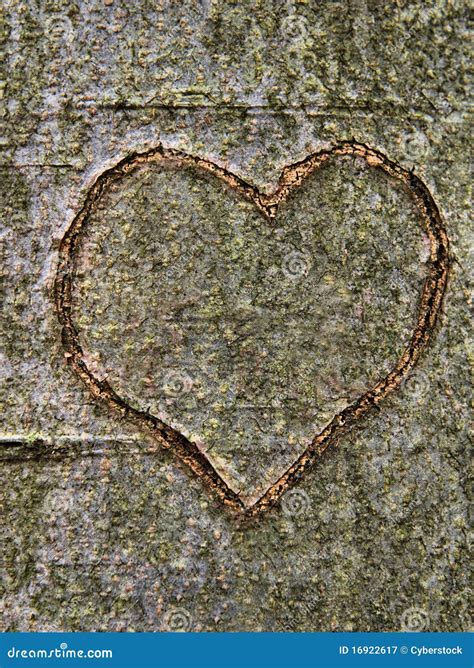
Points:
point(243, 333)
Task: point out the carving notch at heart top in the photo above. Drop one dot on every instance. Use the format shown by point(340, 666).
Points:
point(247, 332)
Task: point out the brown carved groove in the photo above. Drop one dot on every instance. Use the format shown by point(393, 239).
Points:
point(291, 178)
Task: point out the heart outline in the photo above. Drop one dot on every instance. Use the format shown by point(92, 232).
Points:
point(291, 178)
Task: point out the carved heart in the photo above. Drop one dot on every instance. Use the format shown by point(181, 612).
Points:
point(221, 336)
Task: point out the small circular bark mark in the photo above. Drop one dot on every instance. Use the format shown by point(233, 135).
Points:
point(291, 178)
